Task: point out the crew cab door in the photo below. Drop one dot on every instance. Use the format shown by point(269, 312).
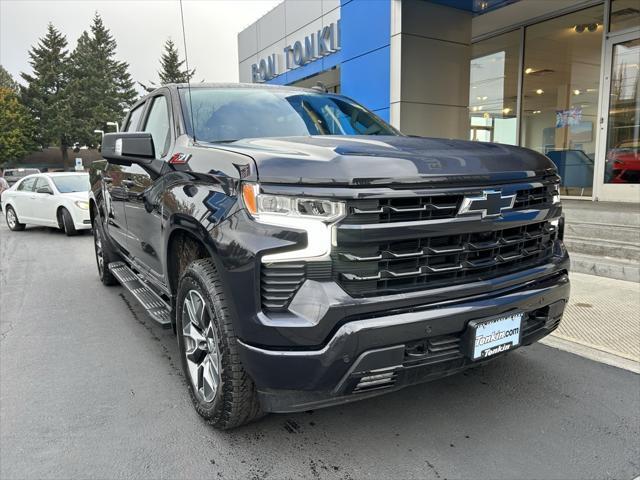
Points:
point(143, 210)
point(115, 189)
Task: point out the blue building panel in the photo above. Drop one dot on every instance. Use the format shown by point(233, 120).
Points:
point(366, 78)
point(365, 26)
point(312, 68)
point(383, 113)
point(364, 58)
point(365, 34)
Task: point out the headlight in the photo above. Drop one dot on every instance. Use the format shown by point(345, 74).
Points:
point(82, 204)
point(262, 206)
point(314, 215)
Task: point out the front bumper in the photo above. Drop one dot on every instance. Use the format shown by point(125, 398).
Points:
point(393, 349)
point(81, 218)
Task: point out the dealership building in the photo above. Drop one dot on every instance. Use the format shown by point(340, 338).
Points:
point(561, 77)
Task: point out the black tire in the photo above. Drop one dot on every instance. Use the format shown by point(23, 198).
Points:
point(104, 254)
point(67, 221)
point(12, 220)
point(236, 401)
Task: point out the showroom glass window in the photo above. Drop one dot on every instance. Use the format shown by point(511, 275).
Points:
point(625, 14)
point(560, 94)
point(493, 89)
point(623, 135)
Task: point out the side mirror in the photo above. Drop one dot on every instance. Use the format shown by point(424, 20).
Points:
point(46, 190)
point(127, 148)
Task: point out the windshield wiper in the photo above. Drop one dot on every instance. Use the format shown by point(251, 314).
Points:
point(225, 141)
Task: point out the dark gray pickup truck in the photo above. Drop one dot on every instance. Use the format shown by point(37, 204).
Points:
point(308, 254)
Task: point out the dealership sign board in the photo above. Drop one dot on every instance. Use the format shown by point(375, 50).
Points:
point(312, 47)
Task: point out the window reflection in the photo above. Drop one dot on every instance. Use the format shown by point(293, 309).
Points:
point(560, 94)
point(625, 14)
point(623, 136)
point(493, 89)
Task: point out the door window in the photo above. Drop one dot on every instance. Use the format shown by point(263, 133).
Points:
point(42, 182)
point(134, 119)
point(623, 136)
point(158, 125)
point(27, 185)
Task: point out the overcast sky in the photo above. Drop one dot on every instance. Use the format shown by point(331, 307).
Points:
point(140, 27)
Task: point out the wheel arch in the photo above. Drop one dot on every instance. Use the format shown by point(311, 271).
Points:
point(59, 214)
point(184, 246)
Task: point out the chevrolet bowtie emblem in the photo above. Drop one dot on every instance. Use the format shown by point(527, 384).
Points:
point(490, 204)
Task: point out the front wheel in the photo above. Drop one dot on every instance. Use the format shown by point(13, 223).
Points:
point(12, 220)
point(104, 254)
point(221, 390)
point(67, 221)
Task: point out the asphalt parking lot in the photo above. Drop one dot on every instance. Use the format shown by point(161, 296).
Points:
point(91, 388)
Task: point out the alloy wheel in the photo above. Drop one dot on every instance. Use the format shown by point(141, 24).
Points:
point(200, 346)
point(11, 218)
point(99, 253)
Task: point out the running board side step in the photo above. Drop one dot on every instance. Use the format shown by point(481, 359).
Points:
point(157, 308)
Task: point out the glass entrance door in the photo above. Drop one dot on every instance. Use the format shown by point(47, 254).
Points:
point(619, 139)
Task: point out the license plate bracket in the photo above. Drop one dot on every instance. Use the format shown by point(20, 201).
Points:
point(490, 336)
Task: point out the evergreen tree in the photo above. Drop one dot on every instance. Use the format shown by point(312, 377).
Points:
point(45, 95)
point(101, 86)
point(17, 127)
point(171, 65)
point(7, 81)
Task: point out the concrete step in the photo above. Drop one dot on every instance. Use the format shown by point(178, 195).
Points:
point(606, 267)
point(603, 248)
point(603, 231)
point(623, 214)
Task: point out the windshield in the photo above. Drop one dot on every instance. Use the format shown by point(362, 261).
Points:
point(232, 114)
point(71, 183)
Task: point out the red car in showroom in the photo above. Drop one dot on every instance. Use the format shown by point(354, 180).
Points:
point(623, 163)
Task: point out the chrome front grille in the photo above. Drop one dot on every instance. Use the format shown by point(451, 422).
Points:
point(433, 207)
point(367, 269)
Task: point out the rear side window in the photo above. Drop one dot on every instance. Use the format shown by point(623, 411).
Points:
point(134, 119)
point(27, 185)
point(158, 125)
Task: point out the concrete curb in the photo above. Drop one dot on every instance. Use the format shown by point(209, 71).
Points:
point(591, 353)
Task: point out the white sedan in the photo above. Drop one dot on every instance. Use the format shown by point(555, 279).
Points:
point(58, 200)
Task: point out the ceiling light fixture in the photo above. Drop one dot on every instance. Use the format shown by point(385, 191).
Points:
point(590, 27)
point(577, 92)
point(539, 91)
point(528, 70)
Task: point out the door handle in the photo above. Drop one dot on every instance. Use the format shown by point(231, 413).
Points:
point(128, 183)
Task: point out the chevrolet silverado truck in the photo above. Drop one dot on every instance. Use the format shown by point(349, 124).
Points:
point(307, 254)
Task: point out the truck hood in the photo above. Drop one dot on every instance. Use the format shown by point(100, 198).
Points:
point(387, 160)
